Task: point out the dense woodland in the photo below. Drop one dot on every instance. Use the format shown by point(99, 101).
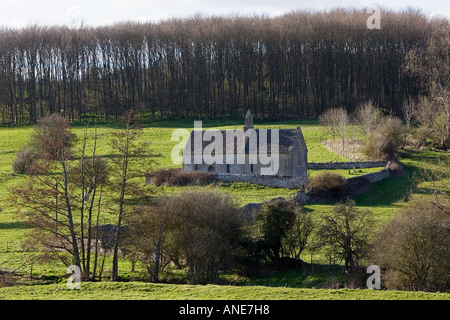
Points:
point(291, 67)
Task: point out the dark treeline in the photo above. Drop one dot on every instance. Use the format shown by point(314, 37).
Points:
point(294, 66)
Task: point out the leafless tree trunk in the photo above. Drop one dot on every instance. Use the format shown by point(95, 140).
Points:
point(294, 66)
point(127, 148)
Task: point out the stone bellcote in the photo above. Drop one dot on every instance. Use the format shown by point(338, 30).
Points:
point(248, 121)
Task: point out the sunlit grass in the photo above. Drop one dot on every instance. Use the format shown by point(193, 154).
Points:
point(384, 199)
point(152, 291)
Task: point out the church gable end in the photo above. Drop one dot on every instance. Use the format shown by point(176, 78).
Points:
point(286, 145)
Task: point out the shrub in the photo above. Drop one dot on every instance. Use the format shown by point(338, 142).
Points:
point(396, 169)
point(385, 141)
point(207, 227)
point(199, 230)
point(24, 161)
point(285, 230)
point(6, 279)
point(179, 177)
point(413, 249)
point(276, 219)
point(327, 184)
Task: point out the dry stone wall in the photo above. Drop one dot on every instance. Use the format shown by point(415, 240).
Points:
point(353, 185)
point(270, 181)
point(288, 182)
point(345, 165)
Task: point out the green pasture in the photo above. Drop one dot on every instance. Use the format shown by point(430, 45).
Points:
point(152, 291)
point(384, 199)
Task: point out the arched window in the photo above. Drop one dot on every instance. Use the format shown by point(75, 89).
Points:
point(211, 169)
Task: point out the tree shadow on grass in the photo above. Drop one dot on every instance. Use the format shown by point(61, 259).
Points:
point(145, 121)
point(389, 191)
point(385, 193)
point(314, 275)
point(14, 225)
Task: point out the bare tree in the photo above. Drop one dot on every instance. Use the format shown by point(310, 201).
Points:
point(335, 121)
point(297, 239)
point(329, 121)
point(149, 239)
point(127, 149)
point(409, 110)
point(431, 64)
point(292, 66)
point(60, 191)
point(368, 117)
point(346, 232)
point(342, 120)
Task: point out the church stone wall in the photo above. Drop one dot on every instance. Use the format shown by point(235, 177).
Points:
point(284, 168)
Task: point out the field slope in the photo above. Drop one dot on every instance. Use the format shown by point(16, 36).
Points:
point(384, 199)
point(146, 291)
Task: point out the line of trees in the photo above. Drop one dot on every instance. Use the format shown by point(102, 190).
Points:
point(293, 66)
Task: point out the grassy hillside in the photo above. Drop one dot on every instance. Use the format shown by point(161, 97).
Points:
point(384, 199)
point(143, 291)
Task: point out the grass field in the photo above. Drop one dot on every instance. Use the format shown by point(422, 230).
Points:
point(384, 199)
point(143, 291)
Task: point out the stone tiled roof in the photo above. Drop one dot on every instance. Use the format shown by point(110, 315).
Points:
point(287, 139)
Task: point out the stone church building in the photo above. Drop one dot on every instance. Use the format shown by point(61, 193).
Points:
point(254, 147)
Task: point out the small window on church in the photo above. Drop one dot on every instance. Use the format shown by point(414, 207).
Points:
point(251, 167)
point(228, 168)
point(211, 169)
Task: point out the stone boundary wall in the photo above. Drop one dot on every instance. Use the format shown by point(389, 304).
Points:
point(353, 186)
point(270, 181)
point(298, 183)
point(345, 165)
point(371, 177)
